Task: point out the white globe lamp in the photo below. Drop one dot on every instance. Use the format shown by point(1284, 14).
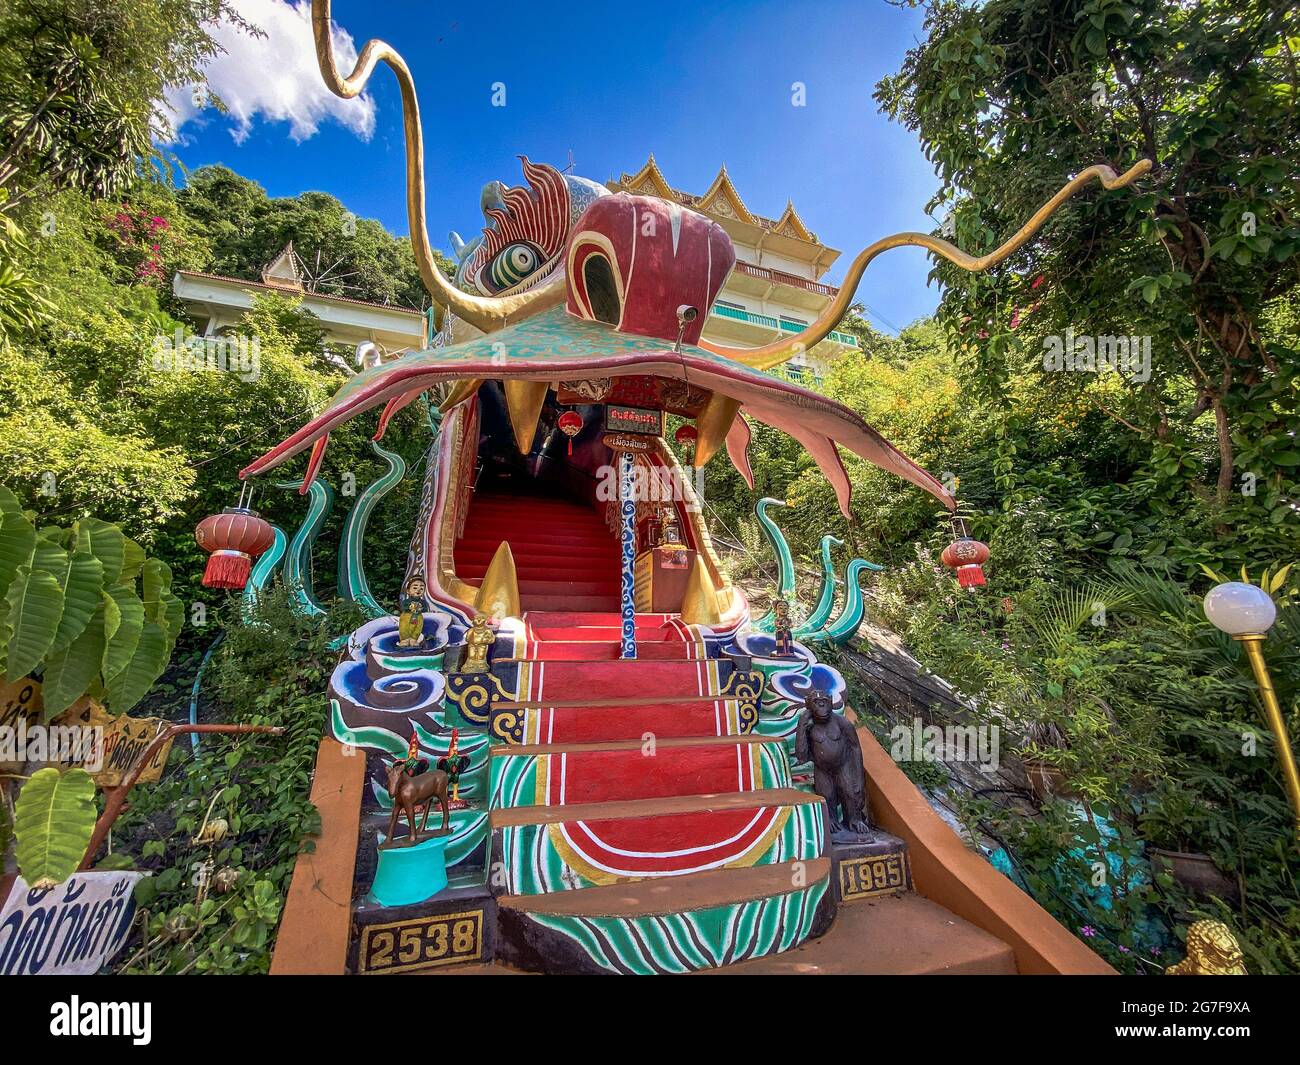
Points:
point(1240, 609)
point(1246, 612)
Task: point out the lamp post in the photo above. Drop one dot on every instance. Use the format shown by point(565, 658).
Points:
point(1246, 613)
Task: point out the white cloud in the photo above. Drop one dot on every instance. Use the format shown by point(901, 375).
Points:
point(275, 77)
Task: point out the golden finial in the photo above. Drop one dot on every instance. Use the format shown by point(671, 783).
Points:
point(700, 601)
point(498, 592)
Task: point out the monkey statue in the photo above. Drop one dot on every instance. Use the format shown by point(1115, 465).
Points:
point(826, 739)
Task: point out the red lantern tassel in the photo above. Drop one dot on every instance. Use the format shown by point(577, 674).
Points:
point(970, 576)
point(227, 569)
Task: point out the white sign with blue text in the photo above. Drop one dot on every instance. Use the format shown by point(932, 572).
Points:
point(68, 930)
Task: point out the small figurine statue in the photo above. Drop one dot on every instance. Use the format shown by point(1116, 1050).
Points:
point(782, 637)
point(454, 764)
point(478, 641)
point(409, 786)
point(826, 739)
point(670, 533)
point(1212, 950)
point(410, 623)
point(413, 765)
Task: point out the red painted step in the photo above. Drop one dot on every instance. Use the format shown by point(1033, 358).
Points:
point(587, 618)
point(613, 633)
point(562, 588)
point(572, 681)
point(604, 722)
point(665, 837)
point(540, 565)
point(564, 553)
point(487, 501)
point(576, 602)
point(614, 772)
point(538, 536)
point(529, 523)
point(606, 650)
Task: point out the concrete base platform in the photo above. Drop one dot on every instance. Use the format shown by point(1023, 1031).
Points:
point(903, 935)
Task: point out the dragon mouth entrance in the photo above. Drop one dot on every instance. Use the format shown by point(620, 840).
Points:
point(556, 505)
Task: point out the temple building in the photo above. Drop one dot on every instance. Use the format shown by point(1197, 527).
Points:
point(776, 286)
point(216, 303)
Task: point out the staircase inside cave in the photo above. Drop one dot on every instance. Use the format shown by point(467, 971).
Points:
point(566, 558)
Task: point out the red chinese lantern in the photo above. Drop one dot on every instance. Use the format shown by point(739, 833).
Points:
point(570, 425)
point(965, 556)
point(686, 435)
point(232, 539)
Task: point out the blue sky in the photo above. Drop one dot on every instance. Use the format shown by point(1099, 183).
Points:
point(697, 85)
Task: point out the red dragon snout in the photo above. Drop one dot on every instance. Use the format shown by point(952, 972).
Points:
point(633, 261)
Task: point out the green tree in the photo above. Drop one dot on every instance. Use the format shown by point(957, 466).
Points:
point(80, 82)
point(346, 255)
point(1009, 96)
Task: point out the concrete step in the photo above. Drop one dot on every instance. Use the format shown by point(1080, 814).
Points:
point(901, 935)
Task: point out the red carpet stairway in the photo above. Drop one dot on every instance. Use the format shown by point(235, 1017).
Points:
point(640, 825)
point(565, 556)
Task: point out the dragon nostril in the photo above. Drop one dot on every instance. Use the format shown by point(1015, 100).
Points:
point(602, 292)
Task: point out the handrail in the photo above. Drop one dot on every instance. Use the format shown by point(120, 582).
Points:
point(766, 320)
point(767, 273)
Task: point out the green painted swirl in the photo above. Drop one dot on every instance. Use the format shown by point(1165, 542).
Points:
point(352, 560)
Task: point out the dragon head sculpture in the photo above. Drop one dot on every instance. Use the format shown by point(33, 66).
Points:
point(524, 232)
point(568, 281)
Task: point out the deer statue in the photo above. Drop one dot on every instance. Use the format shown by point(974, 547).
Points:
point(408, 792)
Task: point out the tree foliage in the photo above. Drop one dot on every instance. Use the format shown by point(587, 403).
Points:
point(81, 83)
point(350, 256)
point(1009, 97)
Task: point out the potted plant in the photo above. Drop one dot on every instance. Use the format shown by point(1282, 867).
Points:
point(1045, 755)
point(1170, 825)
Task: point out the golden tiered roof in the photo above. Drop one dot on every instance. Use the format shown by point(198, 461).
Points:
point(720, 200)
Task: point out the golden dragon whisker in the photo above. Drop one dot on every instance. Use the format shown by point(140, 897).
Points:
point(764, 358)
point(486, 313)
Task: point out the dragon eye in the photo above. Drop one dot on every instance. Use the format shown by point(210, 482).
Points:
point(513, 264)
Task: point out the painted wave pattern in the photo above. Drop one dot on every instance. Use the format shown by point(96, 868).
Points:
point(533, 865)
point(379, 697)
point(699, 939)
point(781, 706)
point(377, 701)
point(513, 782)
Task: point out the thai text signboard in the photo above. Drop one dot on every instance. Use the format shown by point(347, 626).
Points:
point(634, 420)
point(84, 736)
point(71, 929)
point(125, 741)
